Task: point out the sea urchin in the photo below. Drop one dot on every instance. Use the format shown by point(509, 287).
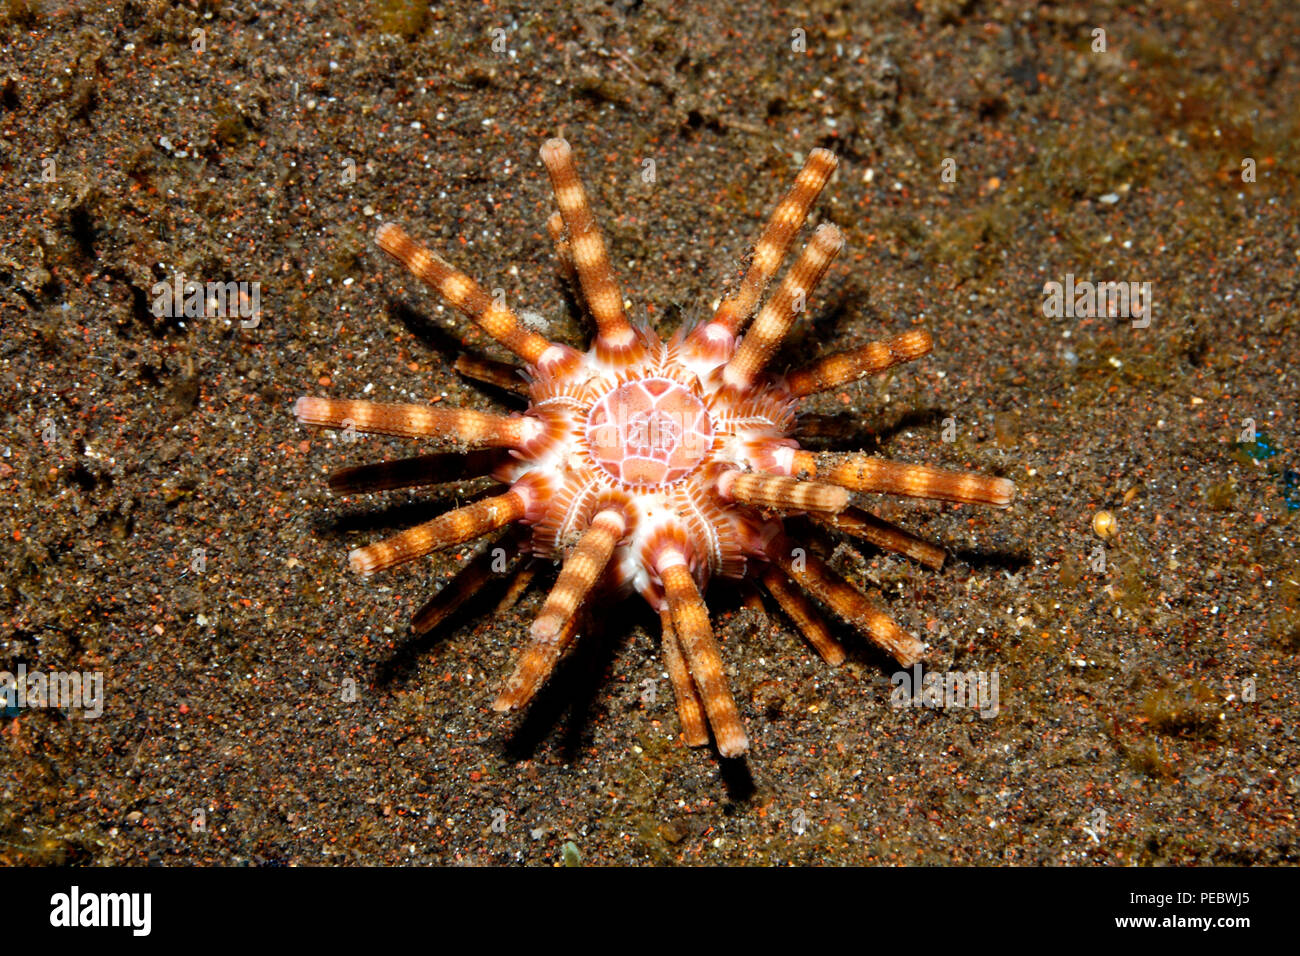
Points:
point(654, 466)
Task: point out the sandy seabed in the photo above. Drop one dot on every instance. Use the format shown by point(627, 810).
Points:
point(166, 524)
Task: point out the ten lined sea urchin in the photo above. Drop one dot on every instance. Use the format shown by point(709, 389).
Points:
point(655, 466)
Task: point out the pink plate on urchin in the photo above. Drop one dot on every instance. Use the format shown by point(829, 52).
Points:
point(653, 466)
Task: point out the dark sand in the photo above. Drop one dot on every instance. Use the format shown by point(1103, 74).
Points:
point(1127, 730)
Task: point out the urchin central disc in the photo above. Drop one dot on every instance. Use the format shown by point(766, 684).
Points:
point(651, 432)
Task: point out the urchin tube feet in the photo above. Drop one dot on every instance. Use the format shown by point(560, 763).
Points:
point(563, 254)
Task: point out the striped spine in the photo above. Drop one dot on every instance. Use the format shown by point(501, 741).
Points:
point(800, 610)
point(413, 472)
point(459, 427)
point(818, 578)
point(690, 709)
point(535, 665)
point(867, 473)
point(454, 527)
point(501, 374)
point(582, 569)
point(779, 314)
point(703, 657)
point(890, 537)
point(615, 339)
point(840, 368)
point(773, 246)
point(780, 492)
point(467, 296)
